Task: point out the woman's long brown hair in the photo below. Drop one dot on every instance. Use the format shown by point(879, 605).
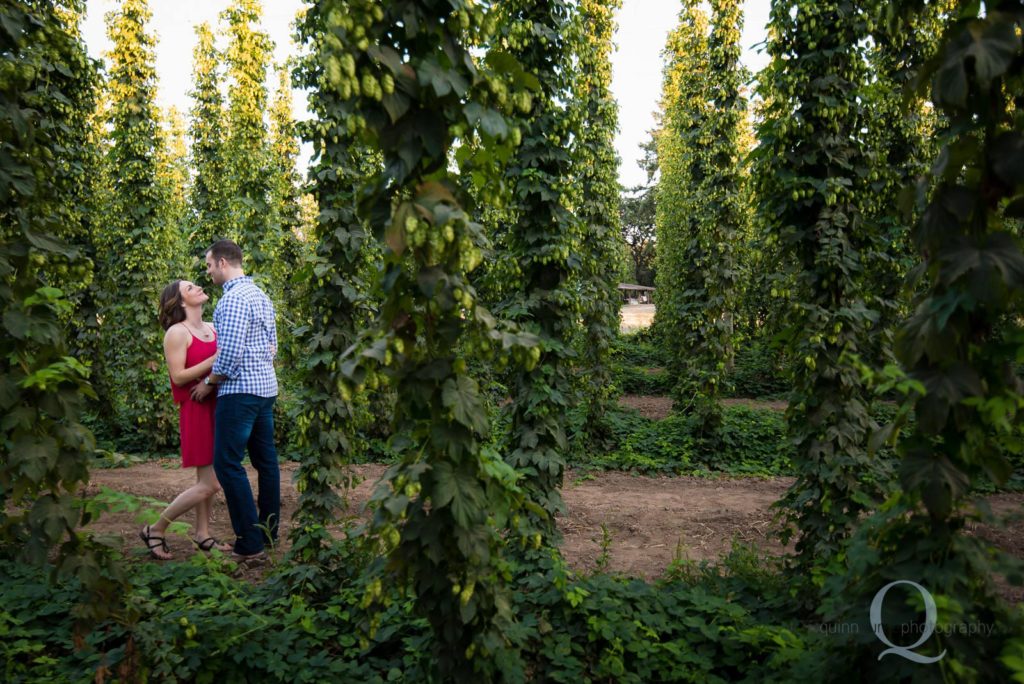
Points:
point(171, 310)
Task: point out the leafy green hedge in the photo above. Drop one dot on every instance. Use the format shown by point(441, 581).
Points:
point(194, 622)
point(758, 371)
point(753, 442)
point(641, 348)
point(640, 363)
point(197, 623)
point(641, 380)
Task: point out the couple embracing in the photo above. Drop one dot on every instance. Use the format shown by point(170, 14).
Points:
point(222, 376)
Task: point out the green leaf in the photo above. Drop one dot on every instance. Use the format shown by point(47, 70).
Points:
point(992, 254)
point(396, 104)
point(469, 504)
point(493, 124)
point(998, 468)
point(44, 295)
point(1008, 158)
point(462, 396)
point(428, 279)
point(879, 437)
point(17, 323)
point(444, 484)
point(19, 417)
point(394, 236)
point(970, 9)
point(54, 518)
point(396, 504)
point(387, 56)
point(949, 87)
point(1015, 209)
point(501, 61)
point(473, 111)
point(936, 477)
point(49, 243)
point(34, 457)
point(994, 44)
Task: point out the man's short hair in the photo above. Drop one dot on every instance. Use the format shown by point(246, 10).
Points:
point(226, 249)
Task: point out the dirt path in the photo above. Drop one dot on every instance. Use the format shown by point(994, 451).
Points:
point(649, 520)
point(656, 408)
point(652, 521)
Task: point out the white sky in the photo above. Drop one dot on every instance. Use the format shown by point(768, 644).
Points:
point(643, 26)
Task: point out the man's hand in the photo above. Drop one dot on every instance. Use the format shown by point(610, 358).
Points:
point(201, 391)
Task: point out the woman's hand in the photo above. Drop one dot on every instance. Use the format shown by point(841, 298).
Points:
point(201, 391)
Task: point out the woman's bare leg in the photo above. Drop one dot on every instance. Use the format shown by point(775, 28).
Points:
point(203, 519)
point(200, 493)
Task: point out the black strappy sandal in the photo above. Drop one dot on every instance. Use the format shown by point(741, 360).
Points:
point(207, 544)
point(153, 542)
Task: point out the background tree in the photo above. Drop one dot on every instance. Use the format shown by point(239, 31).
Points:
point(247, 157)
point(338, 303)
point(292, 253)
point(543, 236)
point(723, 219)
point(208, 212)
point(598, 211)
point(638, 231)
point(75, 184)
point(295, 248)
point(43, 389)
point(700, 205)
point(135, 242)
point(810, 168)
point(443, 512)
point(173, 173)
point(899, 135)
point(960, 348)
point(638, 218)
point(284, 153)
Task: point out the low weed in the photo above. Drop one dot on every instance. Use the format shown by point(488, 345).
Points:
point(752, 442)
point(193, 621)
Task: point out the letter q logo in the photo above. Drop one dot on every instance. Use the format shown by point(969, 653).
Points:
point(929, 625)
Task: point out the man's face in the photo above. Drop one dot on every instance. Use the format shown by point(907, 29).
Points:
point(215, 269)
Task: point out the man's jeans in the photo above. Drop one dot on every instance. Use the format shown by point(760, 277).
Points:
point(246, 420)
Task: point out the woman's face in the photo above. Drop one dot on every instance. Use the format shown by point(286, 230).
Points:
point(191, 294)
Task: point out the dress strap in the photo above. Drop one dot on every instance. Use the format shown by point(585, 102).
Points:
point(192, 332)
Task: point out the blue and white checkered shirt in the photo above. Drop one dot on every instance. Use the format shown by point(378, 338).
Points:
point(246, 340)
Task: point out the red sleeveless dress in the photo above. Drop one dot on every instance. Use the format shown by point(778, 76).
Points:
point(195, 419)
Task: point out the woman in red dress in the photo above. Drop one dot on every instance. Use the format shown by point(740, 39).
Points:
point(190, 346)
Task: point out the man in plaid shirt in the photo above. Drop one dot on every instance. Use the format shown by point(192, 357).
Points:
point(246, 385)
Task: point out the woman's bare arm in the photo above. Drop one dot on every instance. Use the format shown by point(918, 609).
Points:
point(175, 348)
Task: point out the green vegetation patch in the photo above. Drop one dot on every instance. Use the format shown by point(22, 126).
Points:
point(195, 621)
point(752, 442)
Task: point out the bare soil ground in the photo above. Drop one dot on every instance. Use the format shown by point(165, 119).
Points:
point(632, 524)
point(650, 521)
point(654, 408)
point(657, 408)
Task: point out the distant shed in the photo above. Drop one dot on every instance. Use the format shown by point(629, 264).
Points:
point(636, 294)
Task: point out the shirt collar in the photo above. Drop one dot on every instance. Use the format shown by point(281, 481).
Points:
point(237, 281)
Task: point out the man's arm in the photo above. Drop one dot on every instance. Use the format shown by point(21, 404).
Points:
point(273, 328)
point(232, 322)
